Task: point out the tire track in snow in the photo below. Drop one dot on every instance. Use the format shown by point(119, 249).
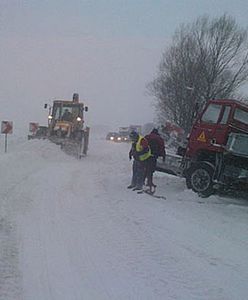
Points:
point(14, 199)
point(10, 276)
point(129, 248)
point(18, 169)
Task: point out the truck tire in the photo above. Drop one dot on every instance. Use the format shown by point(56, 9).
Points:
point(199, 179)
point(59, 133)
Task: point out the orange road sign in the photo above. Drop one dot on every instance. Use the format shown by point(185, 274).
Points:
point(33, 127)
point(7, 127)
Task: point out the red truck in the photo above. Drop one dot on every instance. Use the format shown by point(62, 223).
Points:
point(216, 153)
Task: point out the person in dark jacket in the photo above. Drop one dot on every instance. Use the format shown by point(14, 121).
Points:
point(140, 152)
point(157, 147)
point(67, 115)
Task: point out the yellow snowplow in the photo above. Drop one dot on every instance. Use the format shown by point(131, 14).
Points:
point(66, 126)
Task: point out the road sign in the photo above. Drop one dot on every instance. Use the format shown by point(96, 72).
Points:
point(202, 137)
point(7, 127)
point(33, 127)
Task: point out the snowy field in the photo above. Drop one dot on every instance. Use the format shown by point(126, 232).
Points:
point(71, 230)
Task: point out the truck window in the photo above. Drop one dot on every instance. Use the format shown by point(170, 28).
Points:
point(211, 115)
point(241, 115)
point(238, 143)
point(66, 108)
point(225, 116)
point(57, 113)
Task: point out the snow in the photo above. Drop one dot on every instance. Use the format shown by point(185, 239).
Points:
point(70, 229)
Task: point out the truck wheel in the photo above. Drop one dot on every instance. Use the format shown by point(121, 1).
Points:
point(199, 179)
point(59, 133)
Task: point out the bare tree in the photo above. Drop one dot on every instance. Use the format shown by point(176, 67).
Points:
point(207, 59)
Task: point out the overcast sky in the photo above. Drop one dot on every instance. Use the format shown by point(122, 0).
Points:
point(105, 50)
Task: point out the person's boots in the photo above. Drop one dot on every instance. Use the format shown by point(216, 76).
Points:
point(137, 188)
point(131, 186)
point(152, 187)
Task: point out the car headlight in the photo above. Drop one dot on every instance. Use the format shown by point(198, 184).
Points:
point(119, 138)
point(50, 117)
point(79, 119)
point(111, 138)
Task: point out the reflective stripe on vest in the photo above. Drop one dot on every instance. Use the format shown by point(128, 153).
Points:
point(140, 148)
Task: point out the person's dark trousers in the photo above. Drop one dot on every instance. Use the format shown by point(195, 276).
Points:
point(150, 169)
point(138, 174)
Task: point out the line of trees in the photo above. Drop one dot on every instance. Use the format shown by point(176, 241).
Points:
point(207, 59)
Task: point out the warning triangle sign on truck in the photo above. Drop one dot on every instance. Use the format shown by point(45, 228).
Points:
point(202, 137)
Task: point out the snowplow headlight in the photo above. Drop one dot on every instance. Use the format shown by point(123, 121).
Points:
point(50, 117)
point(79, 119)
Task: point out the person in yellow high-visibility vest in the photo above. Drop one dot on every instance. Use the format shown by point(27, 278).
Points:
point(140, 152)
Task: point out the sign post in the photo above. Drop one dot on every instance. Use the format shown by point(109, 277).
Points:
point(6, 128)
point(6, 143)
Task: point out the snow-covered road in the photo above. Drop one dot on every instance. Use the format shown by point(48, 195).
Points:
point(70, 230)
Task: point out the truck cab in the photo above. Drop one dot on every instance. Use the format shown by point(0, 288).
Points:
point(66, 118)
point(216, 154)
point(213, 126)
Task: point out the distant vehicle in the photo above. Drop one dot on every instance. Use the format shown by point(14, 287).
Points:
point(117, 137)
point(112, 136)
point(123, 137)
point(123, 134)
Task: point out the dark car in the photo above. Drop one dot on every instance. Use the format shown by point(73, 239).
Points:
point(123, 137)
point(112, 136)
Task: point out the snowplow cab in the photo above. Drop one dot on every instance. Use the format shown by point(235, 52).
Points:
point(66, 119)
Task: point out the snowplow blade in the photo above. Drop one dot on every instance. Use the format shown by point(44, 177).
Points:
point(77, 147)
point(41, 133)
